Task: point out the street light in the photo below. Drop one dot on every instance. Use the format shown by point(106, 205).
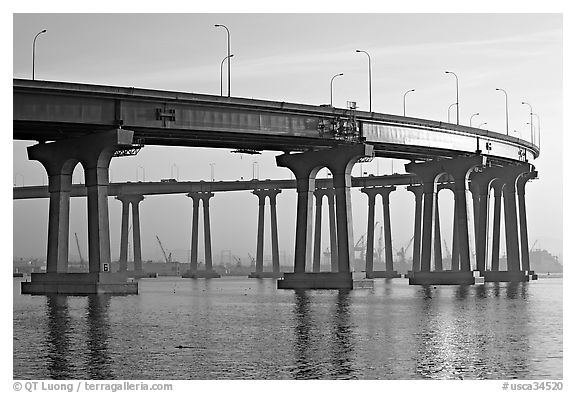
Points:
point(369, 76)
point(450, 107)
point(332, 80)
point(212, 170)
point(457, 103)
point(482, 124)
point(177, 171)
point(538, 117)
point(143, 173)
point(475, 114)
point(227, 31)
point(531, 113)
point(221, 65)
point(505, 95)
point(34, 51)
point(405, 100)
point(255, 170)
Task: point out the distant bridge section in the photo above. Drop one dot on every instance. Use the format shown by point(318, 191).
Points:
point(47, 111)
point(175, 187)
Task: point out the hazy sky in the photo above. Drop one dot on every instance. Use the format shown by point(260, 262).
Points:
point(292, 57)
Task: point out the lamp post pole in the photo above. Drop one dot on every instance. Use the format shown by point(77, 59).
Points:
point(457, 102)
point(475, 114)
point(534, 142)
point(506, 100)
point(221, 65)
point(531, 114)
point(404, 100)
point(34, 52)
point(229, 56)
point(369, 76)
point(450, 107)
point(331, 81)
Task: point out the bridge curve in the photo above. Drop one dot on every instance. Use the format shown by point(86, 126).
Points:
point(47, 111)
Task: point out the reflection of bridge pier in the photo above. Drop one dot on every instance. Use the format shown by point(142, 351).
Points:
point(271, 194)
point(94, 152)
point(305, 166)
point(208, 272)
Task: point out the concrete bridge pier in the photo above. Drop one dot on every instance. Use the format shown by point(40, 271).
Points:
point(134, 201)
point(305, 166)
point(520, 190)
point(384, 192)
point(497, 185)
point(59, 158)
point(208, 272)
point(260, 273)
point(511, 175)
point(459, 168)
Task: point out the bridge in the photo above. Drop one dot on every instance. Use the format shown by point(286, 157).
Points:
point(89, 124)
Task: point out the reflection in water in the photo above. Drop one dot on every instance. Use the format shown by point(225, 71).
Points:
point(313, 338)
point(98, 358)
point(304, 368)
point(467, 337)
point(342, 345)
point(58, 344)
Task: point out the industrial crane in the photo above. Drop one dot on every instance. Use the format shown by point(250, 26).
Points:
point(82, 263)
point(402, 252)
point(168, 257)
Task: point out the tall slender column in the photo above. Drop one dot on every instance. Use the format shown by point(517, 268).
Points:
point(511, 225)
point(417, 191)
point(520, 188)
point(123, 260)
point(371, 193)
point(98, 222)
point(317, 231)
point(207, 237)
point(437, 238)
point(194, 240)
point(427, 222)
point(59, 187)
point(136, 232)
point(333, 238)
point(385, 192)
point(343, 220)
point(261, 194)
point(274, 230)
point(463, 240)
point(455, 266)
point(497, 186)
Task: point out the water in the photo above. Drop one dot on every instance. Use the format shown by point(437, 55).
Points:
point(240, 328)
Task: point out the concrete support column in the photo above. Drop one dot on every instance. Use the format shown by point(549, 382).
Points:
point(385, 192)
point(205, 196)
point(437, 238)
point(418, 192)
point(123, 260)
point(332, 225)
point(462, 214)
point(319, 195)
point(59, 187)
point(455, 265)
point(427, 221)
point(261, 194)
point(497, 186)
point(98, 221)
point(136, 232)
point(511, 225)
point(194, 241)
point(521, 190)
point(371, 193)
point(274, 230)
